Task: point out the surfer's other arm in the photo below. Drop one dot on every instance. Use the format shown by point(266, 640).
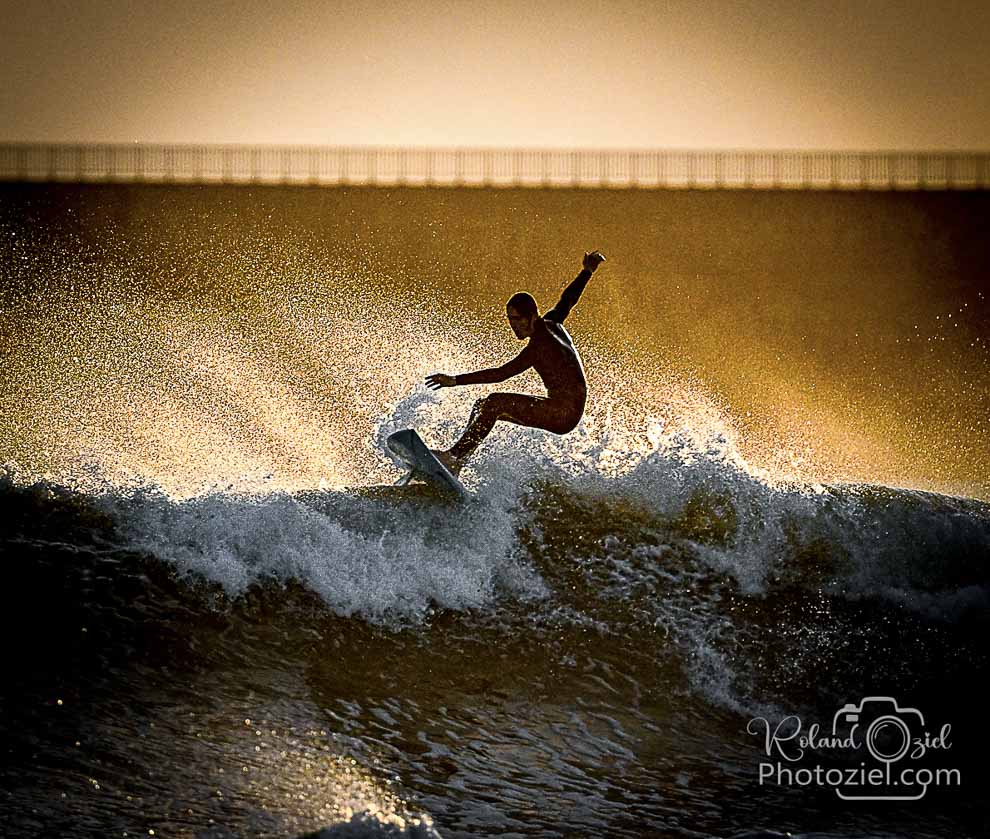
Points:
point(571, 294)
point(518, 365)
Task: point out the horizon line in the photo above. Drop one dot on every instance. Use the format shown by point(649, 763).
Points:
point(534, 148)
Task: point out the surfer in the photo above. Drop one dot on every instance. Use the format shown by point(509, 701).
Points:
point(550, 350)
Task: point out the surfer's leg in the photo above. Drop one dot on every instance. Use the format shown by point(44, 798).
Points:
point(532, 411)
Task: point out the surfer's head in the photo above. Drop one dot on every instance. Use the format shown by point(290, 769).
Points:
point(521, 311)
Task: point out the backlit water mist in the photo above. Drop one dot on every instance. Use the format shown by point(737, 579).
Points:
point(227, 623)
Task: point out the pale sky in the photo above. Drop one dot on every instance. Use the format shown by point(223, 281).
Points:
point(851, 74)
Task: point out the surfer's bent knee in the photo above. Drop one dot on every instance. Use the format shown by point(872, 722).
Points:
point(492, 402)
point(565, 424)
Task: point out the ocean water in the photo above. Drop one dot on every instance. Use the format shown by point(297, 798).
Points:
point(221, 619)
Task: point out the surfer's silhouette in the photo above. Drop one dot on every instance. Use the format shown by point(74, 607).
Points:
point(550, 350)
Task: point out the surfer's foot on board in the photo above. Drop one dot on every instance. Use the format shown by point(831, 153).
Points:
point(447, 459)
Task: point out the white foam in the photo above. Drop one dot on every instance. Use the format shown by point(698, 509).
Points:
point(368, 825)
point(361, 556)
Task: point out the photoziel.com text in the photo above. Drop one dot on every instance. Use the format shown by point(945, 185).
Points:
point(876, 729)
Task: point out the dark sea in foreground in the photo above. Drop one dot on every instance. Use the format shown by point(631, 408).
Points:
point(221, 620)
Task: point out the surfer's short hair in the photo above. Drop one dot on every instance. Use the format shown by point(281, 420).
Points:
point(523, 302)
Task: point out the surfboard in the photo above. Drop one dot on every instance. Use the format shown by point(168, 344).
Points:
point(423, 464)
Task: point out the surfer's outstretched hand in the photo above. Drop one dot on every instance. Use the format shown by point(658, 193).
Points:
point(593, 260)
point(439, 380)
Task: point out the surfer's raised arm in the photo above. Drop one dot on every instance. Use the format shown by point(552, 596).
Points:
point(571, 294)
point(544, 350)
point(492, 375)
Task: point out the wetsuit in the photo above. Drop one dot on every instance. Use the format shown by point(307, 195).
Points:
point(551, 352)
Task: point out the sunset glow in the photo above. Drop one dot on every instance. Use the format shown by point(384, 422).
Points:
point(572, 75)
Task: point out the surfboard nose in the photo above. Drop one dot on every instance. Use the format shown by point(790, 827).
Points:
point(409, 447)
